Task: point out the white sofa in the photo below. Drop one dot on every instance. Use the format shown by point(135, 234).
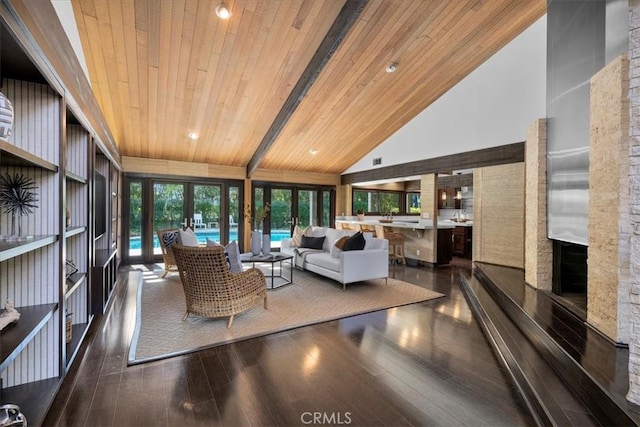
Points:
point(342, 266)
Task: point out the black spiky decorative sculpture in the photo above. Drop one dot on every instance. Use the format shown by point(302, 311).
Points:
point(17, 195)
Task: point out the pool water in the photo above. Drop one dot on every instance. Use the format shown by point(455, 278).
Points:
point(276, 237)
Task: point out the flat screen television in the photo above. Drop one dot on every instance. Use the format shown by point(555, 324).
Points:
point(100, 204)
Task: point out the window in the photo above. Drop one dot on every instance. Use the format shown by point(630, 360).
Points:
point(380, 202)
point(377, 202)
point(412, 202)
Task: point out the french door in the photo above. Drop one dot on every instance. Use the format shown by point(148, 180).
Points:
point(210, 209)
point(291, 205)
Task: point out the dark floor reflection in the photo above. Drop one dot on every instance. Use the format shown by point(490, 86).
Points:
point(420, 364)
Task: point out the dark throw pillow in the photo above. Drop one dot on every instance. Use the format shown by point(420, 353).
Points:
point(312, 242)
point(354, 243)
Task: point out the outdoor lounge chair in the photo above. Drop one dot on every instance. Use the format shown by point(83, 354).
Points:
point(210, 289)
point(167, 238)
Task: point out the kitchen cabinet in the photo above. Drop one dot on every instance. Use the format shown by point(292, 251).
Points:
point(461, 239)
point(444, 247)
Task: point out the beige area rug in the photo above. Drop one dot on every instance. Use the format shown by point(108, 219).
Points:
point(310, 299)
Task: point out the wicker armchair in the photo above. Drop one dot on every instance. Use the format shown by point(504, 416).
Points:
point(210, 289)
point(167, 238)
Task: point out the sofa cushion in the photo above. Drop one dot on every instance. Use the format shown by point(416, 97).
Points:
point(312, 242)
point(355, 243)
point(315, 231)
point(296, 239)
point(332, 236)
point(324, 260)
point(340, 242)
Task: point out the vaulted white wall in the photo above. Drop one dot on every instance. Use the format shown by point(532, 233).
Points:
point(492, 106)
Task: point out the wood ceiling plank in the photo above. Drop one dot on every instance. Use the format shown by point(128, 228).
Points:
point(182, 69)
point(361, 106)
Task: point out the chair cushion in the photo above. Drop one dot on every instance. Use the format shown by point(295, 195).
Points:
point(312, 242)
point(213, 243)
point(234, 256)
point(187, 237)
point(169, 238)
point(354, 243)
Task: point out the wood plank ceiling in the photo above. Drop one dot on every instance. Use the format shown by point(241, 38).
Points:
point(163, 69)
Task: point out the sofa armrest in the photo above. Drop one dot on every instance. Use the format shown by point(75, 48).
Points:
point(364, 265)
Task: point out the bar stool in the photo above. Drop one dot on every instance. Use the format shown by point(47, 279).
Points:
point(396, 244)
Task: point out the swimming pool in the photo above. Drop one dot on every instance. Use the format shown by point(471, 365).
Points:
point(276, 237)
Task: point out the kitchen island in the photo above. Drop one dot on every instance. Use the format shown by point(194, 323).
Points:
point(421, 242)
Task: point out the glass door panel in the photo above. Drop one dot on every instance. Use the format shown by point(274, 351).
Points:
point(235, 214)
point(205, 220)
point(168, 209)
point(326, 208)
point(280, 224)
point(307, 208)
point(135, 219)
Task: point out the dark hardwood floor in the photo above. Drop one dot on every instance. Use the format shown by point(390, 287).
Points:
point(421, 364)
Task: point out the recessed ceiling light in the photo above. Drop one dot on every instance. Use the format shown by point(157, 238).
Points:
point(392, 67)
point(313, 151)
point(223, 11)
point(193, 135)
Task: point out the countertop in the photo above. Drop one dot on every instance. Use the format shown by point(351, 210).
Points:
point(416, 224)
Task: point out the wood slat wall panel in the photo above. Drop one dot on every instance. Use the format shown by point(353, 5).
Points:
point(78, 151)
point(77, 304)
point(24, 284)
point(36, 118)
point(31, 365)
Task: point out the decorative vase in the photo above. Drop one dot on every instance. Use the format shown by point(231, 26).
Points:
point(266, 244)
point(360, 217)
point(256, 242)
point(6, 116)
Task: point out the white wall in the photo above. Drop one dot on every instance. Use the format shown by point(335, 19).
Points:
point(492, 106)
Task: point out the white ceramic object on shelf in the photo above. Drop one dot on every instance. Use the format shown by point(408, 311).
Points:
point(6, 116)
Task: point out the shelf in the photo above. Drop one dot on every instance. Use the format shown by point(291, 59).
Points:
point(34, 399)
point(103, 256)
point(73, 282)
point(73, 177)
point(15, 337)
point(72, 231)
point(78, 332)
point(14, 156)
point(11, 249)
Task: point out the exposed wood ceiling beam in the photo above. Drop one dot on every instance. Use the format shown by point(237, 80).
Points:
point(336, 34)
point(503, 154)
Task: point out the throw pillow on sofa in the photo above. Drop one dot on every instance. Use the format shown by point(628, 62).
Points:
point(296, 239)
point(340, 242)
point(312, 242)
point(354, 243)
point(337, 246)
